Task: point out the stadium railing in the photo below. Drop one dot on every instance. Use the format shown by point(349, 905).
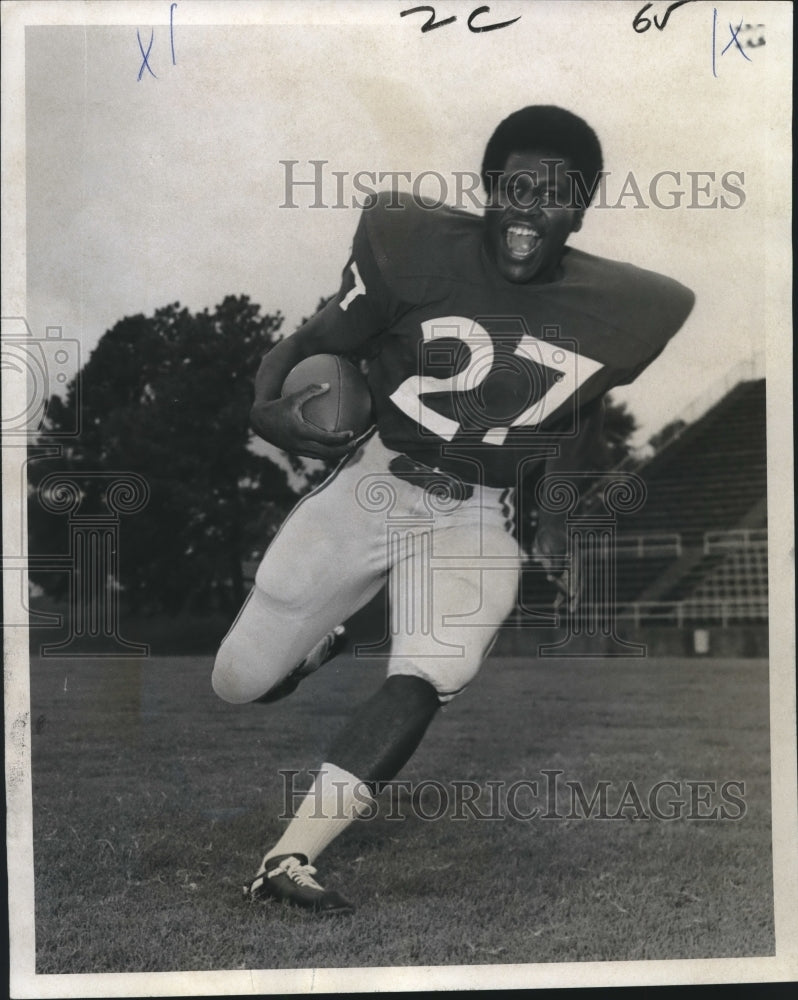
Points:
point(695, 611)
point(736, 538)
point(649, 543)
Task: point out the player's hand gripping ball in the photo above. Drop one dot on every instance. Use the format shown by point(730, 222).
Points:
point(345, 406)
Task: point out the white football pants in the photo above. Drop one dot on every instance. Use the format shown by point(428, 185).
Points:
point(452, 567)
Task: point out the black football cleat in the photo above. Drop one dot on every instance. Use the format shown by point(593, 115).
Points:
point(288, 878)
point(322, 653)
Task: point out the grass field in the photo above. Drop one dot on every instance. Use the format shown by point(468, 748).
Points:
point(153, 801)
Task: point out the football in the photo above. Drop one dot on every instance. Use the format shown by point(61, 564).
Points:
point(346, 406)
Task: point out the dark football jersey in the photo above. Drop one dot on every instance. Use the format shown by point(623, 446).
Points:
point(479, 376)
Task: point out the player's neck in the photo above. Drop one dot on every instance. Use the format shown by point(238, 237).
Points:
point(552, 274)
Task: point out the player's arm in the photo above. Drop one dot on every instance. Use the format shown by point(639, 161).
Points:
point(363, 308)
point(279, 419)
point(550, 546)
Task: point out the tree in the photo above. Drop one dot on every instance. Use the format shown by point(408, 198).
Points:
point(168, 397)
point(619, 426)
point(667, 434)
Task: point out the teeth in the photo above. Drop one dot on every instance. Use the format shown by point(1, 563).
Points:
point(521, 239)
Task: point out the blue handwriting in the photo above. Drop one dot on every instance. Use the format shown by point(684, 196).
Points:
point(145, 56)
point(734, 40)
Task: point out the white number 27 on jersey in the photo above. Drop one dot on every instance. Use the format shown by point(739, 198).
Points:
point(573, 370)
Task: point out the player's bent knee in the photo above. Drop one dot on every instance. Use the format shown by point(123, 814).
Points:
point(258, 651)
point(243, 671)
point(229, 681)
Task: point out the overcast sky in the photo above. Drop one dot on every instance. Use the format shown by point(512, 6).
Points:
point(145, 191)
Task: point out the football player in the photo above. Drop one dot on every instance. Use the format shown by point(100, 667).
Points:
point(491, 344)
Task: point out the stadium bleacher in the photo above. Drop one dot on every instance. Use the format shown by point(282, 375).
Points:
point(710, 486)
point(695, 553)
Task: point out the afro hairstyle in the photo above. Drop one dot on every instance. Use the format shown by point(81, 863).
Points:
point(544, 127)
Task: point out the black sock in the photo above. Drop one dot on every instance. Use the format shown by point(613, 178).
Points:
point(383, 734)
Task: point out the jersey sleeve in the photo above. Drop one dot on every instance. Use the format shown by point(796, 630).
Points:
point(664, 308)
point(576, 455)
point(364, 303)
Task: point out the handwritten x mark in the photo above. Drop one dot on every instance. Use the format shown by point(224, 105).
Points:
point(145, 55)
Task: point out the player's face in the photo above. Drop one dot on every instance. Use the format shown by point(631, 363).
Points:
point(531, 218)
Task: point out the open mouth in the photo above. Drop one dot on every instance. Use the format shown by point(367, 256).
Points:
point(521, 239)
